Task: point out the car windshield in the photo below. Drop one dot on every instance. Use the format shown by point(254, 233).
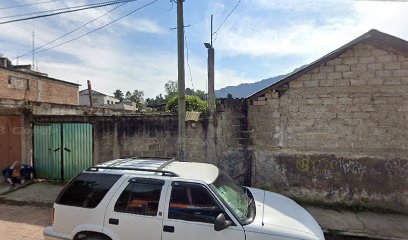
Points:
point(233, 195)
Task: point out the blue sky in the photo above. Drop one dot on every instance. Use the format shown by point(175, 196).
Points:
point(262, 38)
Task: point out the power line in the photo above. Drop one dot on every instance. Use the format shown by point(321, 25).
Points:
point(226, 18)
point(187, 58)
point(99, 28)
point(68, 11)
point(29, 4)
point(63, 9)
point(70, 32)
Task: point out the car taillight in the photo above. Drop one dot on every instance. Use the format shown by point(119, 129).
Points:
point(52, 215)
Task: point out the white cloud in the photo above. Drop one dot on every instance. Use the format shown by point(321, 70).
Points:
point(309, 36)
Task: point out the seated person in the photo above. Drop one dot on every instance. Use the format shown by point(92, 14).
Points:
point(17, 173)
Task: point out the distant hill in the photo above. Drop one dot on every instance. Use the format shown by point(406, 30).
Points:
point(247, 89)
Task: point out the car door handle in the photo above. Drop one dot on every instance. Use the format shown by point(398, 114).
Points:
point(113, 221)
point(168, 229)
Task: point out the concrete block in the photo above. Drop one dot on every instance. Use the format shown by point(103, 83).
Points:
point(351, 75)
point(334, 75)
point(362, 52)
point(259, 103)
point(375, 81)
point(350, 60)
point(326, 69)
point(386, 59)
point(358, 67)
point(261, 98)
point(296, 84)
point(326, 83)
point(342, 82)
point(392, 81)
point(348, 53)
point(311, 83)
point(358, 82)
point(304, 77)
point(375, 66)
point(378, 52)
point(384, 73)
point(369, 59)
point(400, 73)
point(345, 100)
point(334, 62)
point(318, 76)
point(392, 66)
point(342, 68)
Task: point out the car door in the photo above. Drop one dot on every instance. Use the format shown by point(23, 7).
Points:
point(190, 214)
point(136, 210)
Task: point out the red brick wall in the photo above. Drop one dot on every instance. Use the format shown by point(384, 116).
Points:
point(41, 89)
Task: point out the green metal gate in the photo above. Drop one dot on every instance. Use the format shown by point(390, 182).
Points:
point(62, 150)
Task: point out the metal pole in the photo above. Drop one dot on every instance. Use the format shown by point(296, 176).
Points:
point(181, 84)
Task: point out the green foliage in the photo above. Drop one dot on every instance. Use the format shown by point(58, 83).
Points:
point(171, 89)
point(159, 100)
point(193, 104)
point(136, 97)
point(119, 95)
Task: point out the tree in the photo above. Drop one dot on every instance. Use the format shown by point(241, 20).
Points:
point(159, 100)
point(136, 97)
point(171, 89)
point(229, 96)
point(193, 104)
point(119, 95)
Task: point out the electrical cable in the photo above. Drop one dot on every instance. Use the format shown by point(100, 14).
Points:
point(62, 9)
point(187, 58)
point(28, 4)
point(70, 32)
point(68, 11)
point(226, 18)
point(99, 28)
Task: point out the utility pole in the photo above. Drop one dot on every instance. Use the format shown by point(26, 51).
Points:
point(211, 153)
point(90, 94)
point(33, 53)
point(181, 84)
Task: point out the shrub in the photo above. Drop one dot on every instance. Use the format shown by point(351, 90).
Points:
point(193, 104)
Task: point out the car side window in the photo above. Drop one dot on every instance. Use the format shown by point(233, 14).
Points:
point(141, 197)
point(87, 189)
point(192, 202)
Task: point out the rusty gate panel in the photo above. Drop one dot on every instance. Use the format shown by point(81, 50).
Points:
point(10, 140)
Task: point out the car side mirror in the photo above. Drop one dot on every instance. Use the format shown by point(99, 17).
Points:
point(221, 222)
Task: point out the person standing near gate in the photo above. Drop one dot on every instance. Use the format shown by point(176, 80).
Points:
point(17, 173)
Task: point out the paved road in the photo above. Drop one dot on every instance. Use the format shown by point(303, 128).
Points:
point(27, 223)
point(23, 222)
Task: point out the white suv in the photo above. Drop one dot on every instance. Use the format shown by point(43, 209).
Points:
point(152, 199)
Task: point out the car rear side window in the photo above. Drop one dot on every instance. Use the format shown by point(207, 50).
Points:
point(140, 197)
point(87, 190)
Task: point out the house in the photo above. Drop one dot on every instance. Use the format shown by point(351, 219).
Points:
point(102, 100)
point(337, 130)
point(19, 82)
point(20, 85)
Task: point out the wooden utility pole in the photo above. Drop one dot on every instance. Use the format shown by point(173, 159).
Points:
point(90, 93)
point(211, 153)
point(181, 84)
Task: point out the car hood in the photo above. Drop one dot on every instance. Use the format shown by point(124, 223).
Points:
point(281, 216)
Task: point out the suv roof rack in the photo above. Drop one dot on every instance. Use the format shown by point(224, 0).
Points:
point(164, 173)
point(158, 170)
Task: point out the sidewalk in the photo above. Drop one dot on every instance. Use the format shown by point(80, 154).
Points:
point(335, 223)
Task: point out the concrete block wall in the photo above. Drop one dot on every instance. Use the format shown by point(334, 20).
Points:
point(339, 133)
point(41, 89)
